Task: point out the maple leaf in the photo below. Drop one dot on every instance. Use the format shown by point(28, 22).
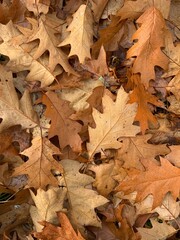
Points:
point(59, 112)
point(81, 36)
point(40, 164)
point(116, 121)
point(156, 180)
point(147, 49)
point(45, 29)
point(137, 148)
point(12, 110)
point(64, 232)
point(82, 200)
point(47, 203)
point(144, 115)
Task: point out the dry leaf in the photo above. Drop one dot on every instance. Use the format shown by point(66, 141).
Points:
point(82, 200)
point(40, 164)
point(64, 232)
point(174, 155)
point(11, 109)
point(147, 49)
point(156, 180)
point(38, 6)
point(116, 121)
point(136, 148)
point(81, 36)
point(47, 203)
point(59, 112)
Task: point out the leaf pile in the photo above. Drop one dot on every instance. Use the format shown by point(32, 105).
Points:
point(89, 119)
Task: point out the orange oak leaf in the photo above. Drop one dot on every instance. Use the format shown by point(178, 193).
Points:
point(64, 232)
point(156, 180)
point(136, 148)
point(144, 115)
point(147, 49)
point(116, 121)
point(59, 111)
point(81, 36)
point(40, 164)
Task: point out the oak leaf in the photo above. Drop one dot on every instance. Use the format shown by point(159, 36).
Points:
point(116, 121)
point(156, 180)
point(59, 111)
point(82, 200)
point(81, 33)
point(64, 232)
point(22, 59)
point(144, 116)
point(133, 9)
point(106, 35)
point(158, 231)
point(147, 49)
point(136, 148)
point(40, 164)
point(45, 30)
point(38, 6)
point(47, 203)
point(12, 110)
point(174, 155)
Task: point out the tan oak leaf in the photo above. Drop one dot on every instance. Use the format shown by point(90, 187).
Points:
point(116, 121)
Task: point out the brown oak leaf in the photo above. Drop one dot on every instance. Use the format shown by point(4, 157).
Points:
point(40, 164)
point(59, 111)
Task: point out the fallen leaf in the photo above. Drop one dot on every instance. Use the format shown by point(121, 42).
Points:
point(59, 111)
point(64, 232)
point(98, 8)
point(83, 201)
point(116, 121)
point(81, 36)
point(47, 204)
point(158, 231)
point(147, 49)
point(38, 6)
point(40, 164)
point(45, 30)
point(156, 180)
point(174, 155)
point(136, 148)
point(144, 115)
point(11, 109)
